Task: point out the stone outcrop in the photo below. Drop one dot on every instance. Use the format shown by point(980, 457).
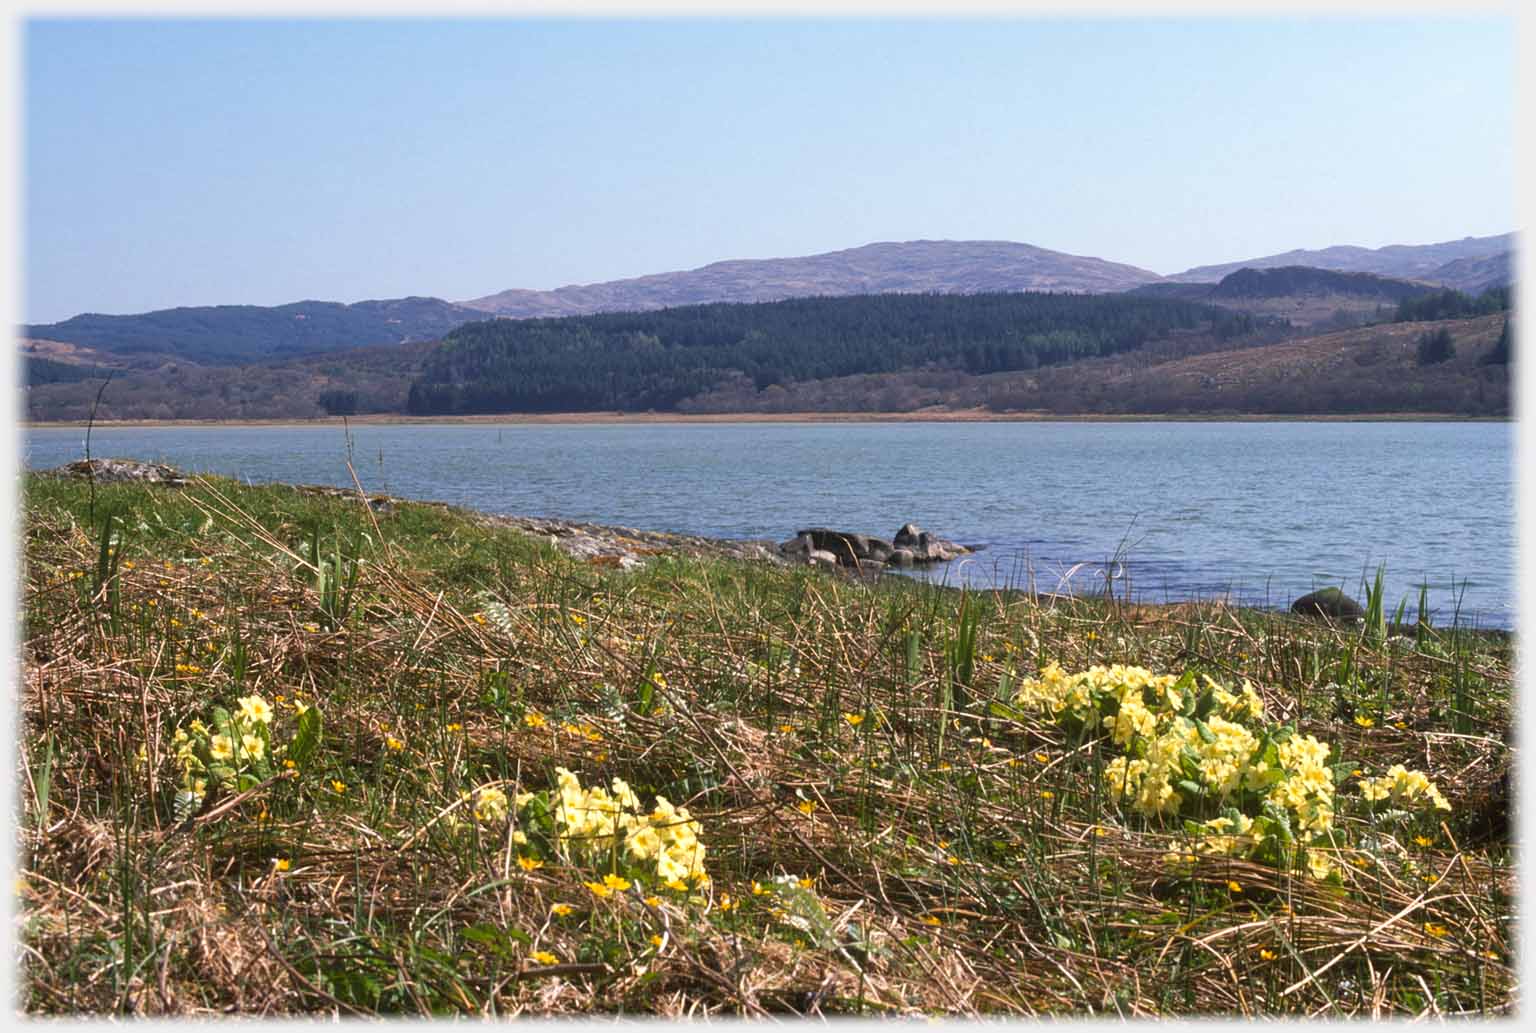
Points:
point(110, 471)
point(1329, 603)
point(911, 547)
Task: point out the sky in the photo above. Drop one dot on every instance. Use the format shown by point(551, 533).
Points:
point(172, 161)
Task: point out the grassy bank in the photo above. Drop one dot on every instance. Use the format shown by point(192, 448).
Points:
point(282, 754)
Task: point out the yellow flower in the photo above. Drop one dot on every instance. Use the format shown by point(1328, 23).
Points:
point(1423, 840)
point(529, 864)
point(254, 708)
point(806, 806)
point(561, 910)
point(1234, 886)
point(615, 882)
point(1267, 954)
point(338, 785)
point(577, 619)
point(806, 884)
point(393, 743)
point(656, 940)
point(544, 957)
point(455, 727)
point(758, 889)
point(1042, 758)
point(598, 889)
point(931, 920)
point(1046, 794)
point(1435, 929)
point(676, 884)
point(253, 745)
point(533, 719)
point(652, 901)
point(727, 903)
point(1363, 721)
point(221, 748)
point(282, 864)
point(853, 719)
point(490, 804)
point(786, 729)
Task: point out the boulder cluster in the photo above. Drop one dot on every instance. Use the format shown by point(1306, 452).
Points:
point(911, 547)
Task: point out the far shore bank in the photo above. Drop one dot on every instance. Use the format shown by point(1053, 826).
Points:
point(919, 416)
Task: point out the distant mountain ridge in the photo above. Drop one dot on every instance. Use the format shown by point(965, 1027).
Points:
point(1471, 264)
point(235, 334)
point(255, 333)
point(918, 266)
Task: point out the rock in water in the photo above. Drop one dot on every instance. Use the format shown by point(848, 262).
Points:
point(1330, 603)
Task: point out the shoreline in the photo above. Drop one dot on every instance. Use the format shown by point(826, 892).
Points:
point(625, 547)
point(643, 418)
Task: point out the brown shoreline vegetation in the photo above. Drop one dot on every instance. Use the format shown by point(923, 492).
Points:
point(298, 753)
point(918, 416)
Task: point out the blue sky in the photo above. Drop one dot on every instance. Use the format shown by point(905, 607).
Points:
point(181, 162)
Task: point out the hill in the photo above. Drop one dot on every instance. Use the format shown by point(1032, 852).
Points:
point(1371, 369)
point(1183, 371)
point(1288, 281)
point(654, 360)
point(1464, 264)
point(253, 333)
point(1306, 297)
point(919, 266)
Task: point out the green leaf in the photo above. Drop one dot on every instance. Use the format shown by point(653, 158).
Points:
point(997, 708)
point(185, 804)
point(489, 936)
point(43, 782)
point(1204, 705)
point(306, 738)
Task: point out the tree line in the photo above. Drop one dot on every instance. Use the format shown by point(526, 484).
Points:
point(1452, 304)
point(657, 359)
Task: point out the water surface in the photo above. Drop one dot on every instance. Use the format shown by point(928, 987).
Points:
point(1259, 512)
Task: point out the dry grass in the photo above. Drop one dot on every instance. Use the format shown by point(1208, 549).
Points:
point(961, 862)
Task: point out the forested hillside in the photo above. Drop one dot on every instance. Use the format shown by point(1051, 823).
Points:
point(252, 333)
point(655, 360)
